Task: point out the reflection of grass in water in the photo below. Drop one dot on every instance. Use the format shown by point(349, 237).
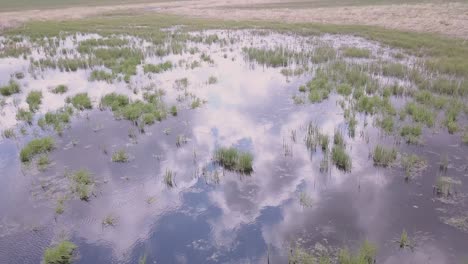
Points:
point(61, 253)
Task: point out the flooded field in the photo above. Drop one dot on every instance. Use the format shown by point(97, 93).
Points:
point(230, 146)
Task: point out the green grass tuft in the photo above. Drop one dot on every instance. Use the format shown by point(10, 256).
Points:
point(383, 157)
point(60, 89)
point(233, 159)
point(34, 100)
point(120, 156)
point(36, 146)
point(82, 183)
point(62, 253)
point(81, 101)
point(157, 68)
point(341, 159)
point(353, 52)
point(10, 89)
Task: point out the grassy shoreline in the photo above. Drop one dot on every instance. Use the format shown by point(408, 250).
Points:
point(451, 53)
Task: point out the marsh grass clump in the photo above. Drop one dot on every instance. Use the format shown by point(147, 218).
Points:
point(444, 186)
point(323, 54)
point(369, 104)
point(147, 113)
point(212, 80)
point(60, 89)
point(100, 75)
point(411, 134)
point(354, 52)
point(383, 156)
point(197, 102)
point(319, 87)
point(119, 60)
point(115, 101)
point(169, 177)
point(120, 156)
point(386, 124)
point(235, 160)
point(324, 141)
point(157, 68)
point(344, 89)
point(338, 139)
point(173, 110)
point(11, 88)
point(413, 164)
point(277, 57)
point(59, 208)
point(24, 115)
point(56, 119)
point(82, 183)
point(35, 147)
point(9, 133)
point(340, 158)
point(62, 253)
point(420, 113)
point(34, 100)
point(298, 255)
point(366, 255)
point(109, 220)
point(81, 101)
point(404, 240)
point(394, 70)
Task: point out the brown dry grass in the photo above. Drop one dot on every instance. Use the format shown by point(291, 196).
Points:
point(449, 19)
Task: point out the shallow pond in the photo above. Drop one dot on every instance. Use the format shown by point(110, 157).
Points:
point(211, 214)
